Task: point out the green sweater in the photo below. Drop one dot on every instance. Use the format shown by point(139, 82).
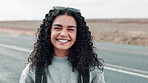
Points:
point(60, 71)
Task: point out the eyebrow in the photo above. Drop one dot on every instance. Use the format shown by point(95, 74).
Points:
point(62, 26)
point(71, 26)
point(57, 25)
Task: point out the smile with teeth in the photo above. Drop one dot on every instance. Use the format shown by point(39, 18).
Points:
point(60, 40)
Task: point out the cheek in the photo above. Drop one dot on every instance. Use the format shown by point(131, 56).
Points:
point(74, 36)
point(53, 35)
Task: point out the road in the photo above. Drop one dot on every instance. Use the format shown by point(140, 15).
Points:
point(123, 63)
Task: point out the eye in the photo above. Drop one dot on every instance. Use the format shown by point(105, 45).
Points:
point(71, 29)
point(57, 28)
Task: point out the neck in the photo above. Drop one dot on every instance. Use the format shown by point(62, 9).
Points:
point(61, 53)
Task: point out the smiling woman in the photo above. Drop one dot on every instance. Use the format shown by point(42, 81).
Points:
point(63, 51)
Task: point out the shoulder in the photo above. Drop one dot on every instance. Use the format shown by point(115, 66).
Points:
point(97, 75)
point(94, 71)
point(27, 75)
point(28, 70)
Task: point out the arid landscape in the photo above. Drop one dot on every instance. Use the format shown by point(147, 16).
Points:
point(123, 31)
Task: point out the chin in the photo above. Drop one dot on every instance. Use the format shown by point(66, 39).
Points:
point(63, 49)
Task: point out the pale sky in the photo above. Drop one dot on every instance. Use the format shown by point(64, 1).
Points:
point(36, 9)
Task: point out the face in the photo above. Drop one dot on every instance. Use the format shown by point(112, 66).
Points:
point(63, 32)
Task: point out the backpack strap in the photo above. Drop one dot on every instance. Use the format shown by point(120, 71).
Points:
point(86, 78)
point(40, 75)
point(83, 77)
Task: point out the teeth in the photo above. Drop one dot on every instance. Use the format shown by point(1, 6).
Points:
point(63, 40)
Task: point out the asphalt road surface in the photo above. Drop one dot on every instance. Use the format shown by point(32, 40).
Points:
point(123, 63)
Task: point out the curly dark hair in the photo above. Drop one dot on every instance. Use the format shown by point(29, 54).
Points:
point(81, 54)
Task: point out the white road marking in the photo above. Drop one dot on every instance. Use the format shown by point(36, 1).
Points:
point(117, 69)
point(126, 68)
point(126, 72)
point(13, 35)
point(14, 47)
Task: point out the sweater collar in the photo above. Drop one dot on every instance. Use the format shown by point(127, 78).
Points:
point(60, 59)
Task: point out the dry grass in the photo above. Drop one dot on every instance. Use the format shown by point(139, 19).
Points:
point(125, 31)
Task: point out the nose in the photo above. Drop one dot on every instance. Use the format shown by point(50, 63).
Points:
point(63, 33)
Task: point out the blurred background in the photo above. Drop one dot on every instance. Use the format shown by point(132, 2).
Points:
point(119, 29)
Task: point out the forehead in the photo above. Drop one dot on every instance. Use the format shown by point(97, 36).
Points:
point(64, 20)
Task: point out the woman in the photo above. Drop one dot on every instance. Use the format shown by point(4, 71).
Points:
point(64, 50)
